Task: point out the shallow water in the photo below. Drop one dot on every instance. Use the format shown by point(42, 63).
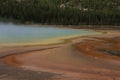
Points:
point(11, 34)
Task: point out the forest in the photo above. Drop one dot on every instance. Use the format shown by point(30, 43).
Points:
point(62, 12)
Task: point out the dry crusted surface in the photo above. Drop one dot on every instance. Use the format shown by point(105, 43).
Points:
point(13, 73)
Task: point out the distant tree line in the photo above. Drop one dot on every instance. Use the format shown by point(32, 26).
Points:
point(93, 12)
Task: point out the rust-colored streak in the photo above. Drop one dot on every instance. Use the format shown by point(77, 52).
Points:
point(93, 47)
point(11, 60)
